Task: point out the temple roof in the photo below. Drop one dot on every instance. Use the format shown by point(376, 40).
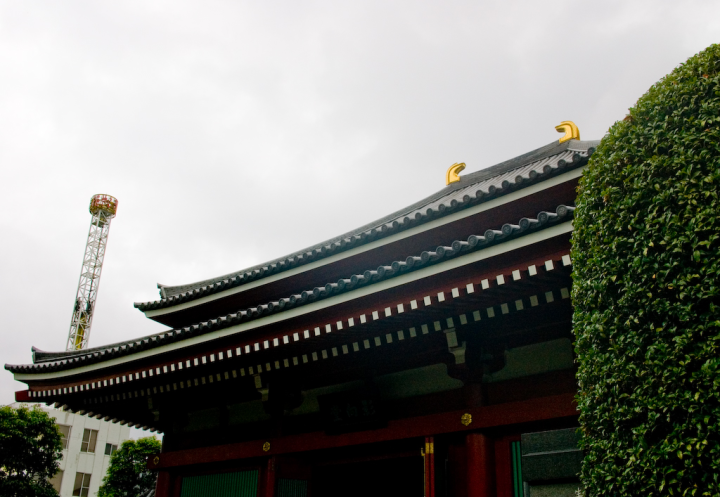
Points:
point(59, 361)
point(472, 189)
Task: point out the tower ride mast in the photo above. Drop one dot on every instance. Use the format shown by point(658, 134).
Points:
point(103, 209)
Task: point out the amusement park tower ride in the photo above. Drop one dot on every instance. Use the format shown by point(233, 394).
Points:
point(103, 208)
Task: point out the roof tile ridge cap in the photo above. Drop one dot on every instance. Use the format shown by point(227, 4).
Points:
point(182, 297)
point(42, 356)
point(540, 153)
point(582, 145)
point(471, 178)
point(562, 212)
point(547, 151)
point(367, 227)
point(373, 225)
point(64, 355)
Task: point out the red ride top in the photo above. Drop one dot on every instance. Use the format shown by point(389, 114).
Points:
point(107, 204)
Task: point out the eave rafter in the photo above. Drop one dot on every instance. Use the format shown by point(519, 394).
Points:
point(478, 304)
point(364, 282)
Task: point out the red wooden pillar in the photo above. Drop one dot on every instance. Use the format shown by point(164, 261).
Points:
point(269, 483)
point(503, 466)
point(480, 465)
point(429, 467)
point(162, 486)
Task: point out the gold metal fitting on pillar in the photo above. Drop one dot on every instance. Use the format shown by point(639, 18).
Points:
point(466, 419)
point(266, 447)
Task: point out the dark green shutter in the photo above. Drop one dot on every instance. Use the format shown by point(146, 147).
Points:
point(240, 484)
point(517, 482)
point(291, 488)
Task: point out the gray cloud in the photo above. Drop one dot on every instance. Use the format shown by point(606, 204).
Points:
point(234, 132)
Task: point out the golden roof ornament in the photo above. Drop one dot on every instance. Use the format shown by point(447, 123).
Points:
point(453, 174)
point(570, 129)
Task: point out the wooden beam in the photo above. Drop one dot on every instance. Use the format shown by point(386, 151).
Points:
point(545, 408)
point(22, 396)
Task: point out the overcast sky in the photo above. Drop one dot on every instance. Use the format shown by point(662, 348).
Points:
point(233, 132)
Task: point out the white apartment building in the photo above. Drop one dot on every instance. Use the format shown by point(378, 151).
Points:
point(87, 446)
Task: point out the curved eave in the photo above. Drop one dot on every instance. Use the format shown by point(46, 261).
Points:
point(458, 253)
point(475, 192)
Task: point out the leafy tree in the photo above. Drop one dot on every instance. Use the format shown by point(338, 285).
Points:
point(128, 475)
point(646, 251)
point(30, 448)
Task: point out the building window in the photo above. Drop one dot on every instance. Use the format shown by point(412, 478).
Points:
point(82, 483)
point(89, 440)
point(110, 449)
point(56, 480)
point(65, 434)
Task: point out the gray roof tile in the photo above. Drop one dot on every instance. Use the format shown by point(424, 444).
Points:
point(57, 361)
point(472, 189)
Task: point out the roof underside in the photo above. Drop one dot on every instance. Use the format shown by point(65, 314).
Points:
point(472, 189)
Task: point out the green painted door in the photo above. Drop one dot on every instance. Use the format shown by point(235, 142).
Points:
point(239, 484)
point(292, 488)
point(516, 455)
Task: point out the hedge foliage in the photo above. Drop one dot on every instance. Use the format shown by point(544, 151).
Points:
point(646, 257)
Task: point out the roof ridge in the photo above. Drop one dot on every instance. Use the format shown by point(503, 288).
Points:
point(390, 224)
point(57, 360)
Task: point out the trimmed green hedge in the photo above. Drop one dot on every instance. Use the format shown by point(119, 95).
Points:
point(646, 256)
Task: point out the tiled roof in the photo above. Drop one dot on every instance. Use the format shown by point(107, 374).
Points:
point(472, 189)
point(58, 361)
